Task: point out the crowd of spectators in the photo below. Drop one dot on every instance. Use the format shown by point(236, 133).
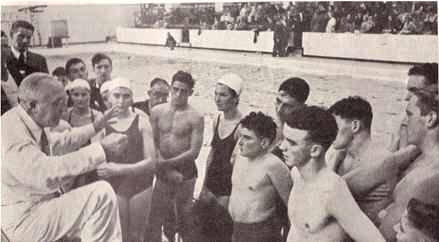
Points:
point(338, 17)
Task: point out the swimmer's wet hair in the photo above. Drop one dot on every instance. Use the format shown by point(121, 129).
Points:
point(354, 107)
point(320, 124)
point(296, 88)
point(428, 70)
point(424, 217)
point(263, 125)
point(428, 100)
point(184, 77)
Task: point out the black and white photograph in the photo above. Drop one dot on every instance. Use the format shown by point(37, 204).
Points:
point(285, 121)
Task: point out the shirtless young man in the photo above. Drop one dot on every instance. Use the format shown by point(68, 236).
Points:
point(422, 182)
point(178, 134)
point(258, 178)
point(419, 76)
point(320, 207)
point(353, 116)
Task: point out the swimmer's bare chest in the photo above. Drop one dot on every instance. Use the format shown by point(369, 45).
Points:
point(308, 209)
point(175, 130)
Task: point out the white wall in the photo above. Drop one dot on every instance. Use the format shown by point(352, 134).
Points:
point(384, 47)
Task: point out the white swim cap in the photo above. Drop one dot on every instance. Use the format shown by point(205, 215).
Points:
point(105, 87)
point(78, 83)
point(232, 81)
point(120, 82)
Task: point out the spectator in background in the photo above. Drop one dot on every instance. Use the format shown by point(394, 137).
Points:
point(102, 67)
point(60, 74)
point(21, 62)
point(408, 27)
point(430, 22)
point(75, 68)
point(367, 25)
point(319, 20)
point(158, 93)
point(358, 19)
point(347, 24)
point(170, 41)
point(330, 26)
point(279, 34)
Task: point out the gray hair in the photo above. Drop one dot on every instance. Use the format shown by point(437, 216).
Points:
point(34, 86)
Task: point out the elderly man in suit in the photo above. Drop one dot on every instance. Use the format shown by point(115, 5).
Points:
point(20, 61)
point(37, 164)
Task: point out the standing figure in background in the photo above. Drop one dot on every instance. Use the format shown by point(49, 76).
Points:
point(170, 41)
point(60, 74)
point(19, 60)
point(102, 66)
point(158, 93)
point(75, 69)
point(131, 172)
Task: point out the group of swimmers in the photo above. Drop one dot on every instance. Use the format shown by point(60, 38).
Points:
point(319, 165)
point(300, 173)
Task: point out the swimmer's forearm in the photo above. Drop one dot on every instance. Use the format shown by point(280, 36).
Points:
point(145, 167)
point(178, 160)
point(364, 179)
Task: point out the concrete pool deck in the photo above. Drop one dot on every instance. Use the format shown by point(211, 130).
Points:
point(321, 66)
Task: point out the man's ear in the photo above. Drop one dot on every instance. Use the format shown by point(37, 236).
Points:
point(192, 91)
point(316, 150)
point(265, 143)
point(432, 119)
point(355, 125)
point(149, 93)
point(28, 105)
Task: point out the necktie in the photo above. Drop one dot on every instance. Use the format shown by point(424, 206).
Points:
point(44, 143)
point(21, 64)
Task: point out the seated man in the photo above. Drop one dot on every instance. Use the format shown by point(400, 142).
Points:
point(258, 178)
point(354, 120)
point(423, 131)
point(420, 222)
point(320, 206)
point(158, 93)
point(37, 163)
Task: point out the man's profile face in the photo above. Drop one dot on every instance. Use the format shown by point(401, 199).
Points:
point(415, 82)
point(21, 39)
point(285, 104)
point(180, 93)
point(249, 143)
point(345, 135)
point(78, 70)
point(158, 94)
point(295, 146)
point(414, 121)
point(103, 70)
point(50, 106)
